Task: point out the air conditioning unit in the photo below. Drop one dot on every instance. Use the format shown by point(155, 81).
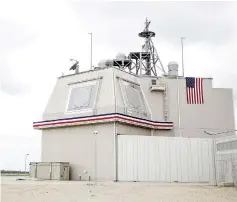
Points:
point(157, 86)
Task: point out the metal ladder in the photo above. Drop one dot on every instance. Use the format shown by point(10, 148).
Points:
point(165, 104)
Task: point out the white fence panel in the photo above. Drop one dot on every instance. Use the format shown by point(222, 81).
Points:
point(226, 160)
point(165, 159)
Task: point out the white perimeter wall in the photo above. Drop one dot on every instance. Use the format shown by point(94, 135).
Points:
point(226, 160)
point(165, 159)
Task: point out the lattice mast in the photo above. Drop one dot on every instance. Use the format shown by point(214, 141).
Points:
point(141, 62)
point(152, 61)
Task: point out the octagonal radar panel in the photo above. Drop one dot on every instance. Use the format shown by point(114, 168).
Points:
point(82, 96)
point(133, 99)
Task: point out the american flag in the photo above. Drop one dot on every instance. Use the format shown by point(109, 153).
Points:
point(194, 90)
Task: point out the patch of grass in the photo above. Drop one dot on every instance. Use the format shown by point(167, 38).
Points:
point(226, 185)
point(14, 174)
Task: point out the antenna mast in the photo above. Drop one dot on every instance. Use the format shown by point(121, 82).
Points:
point(154, 61)
point(145, 62)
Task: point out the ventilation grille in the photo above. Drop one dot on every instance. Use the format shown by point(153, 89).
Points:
point(153, 81)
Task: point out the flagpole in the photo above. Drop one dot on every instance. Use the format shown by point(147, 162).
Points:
point(178, 98)
point(178, 90)
point(182, 44)
point(91, 51)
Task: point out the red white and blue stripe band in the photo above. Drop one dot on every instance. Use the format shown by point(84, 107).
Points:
point(103, 118)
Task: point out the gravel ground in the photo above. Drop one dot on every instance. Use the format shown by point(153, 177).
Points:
point(13, 190)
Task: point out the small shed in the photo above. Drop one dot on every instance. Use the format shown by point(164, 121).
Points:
point(49, 170)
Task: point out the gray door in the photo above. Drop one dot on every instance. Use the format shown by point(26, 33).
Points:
point(65, 173)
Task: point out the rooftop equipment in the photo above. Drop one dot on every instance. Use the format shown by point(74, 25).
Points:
point(146, 61)
point(173, 69)
point(75, 66)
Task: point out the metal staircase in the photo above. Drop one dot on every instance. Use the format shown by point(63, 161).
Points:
point(165, 96)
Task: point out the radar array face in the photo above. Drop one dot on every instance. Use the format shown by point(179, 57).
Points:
point(133, 98)
point(82, 96)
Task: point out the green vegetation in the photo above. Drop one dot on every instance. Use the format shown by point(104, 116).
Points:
point(14, 173)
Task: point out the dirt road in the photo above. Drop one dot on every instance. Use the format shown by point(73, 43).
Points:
point(73, 191)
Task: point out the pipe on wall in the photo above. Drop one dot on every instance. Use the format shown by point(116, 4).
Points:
point(178, 99)
point(115, 131)
point(115, 152)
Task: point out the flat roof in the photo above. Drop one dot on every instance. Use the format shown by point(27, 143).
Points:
point(139, 76)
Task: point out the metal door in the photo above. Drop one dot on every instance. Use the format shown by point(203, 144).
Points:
point(65, 173)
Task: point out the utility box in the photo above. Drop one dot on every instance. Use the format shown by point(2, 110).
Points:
point(49, 170)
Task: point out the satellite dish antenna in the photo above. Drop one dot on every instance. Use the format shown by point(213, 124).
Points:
point(75, 66)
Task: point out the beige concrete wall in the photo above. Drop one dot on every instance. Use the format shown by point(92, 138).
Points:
point(216, 114)
point(123, 129)
point(56, 106)
point(166, 133)
point(223, 118)
point(76, 146)
point(155, 100)
point(194, 118)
